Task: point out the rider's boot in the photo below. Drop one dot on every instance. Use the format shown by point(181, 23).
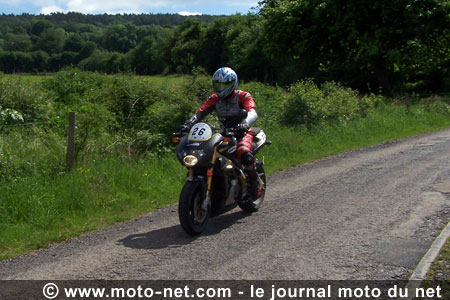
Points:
point(254, 187)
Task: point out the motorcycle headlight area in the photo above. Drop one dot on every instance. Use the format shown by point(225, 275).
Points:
point(190, 161)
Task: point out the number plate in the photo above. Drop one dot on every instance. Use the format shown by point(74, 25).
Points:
point(261, 137)
point(200, 132)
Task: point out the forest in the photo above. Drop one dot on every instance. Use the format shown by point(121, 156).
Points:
point(383, 46)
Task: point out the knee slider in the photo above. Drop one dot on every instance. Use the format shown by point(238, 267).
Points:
point(247, 159)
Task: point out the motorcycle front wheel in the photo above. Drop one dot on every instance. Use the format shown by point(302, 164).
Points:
point(193, 218)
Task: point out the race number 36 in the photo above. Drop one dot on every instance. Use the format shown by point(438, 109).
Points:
point(200, 132)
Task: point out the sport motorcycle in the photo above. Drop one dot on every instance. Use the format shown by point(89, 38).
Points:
point(216, 182)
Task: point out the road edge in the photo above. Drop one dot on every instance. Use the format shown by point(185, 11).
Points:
point(424, 266)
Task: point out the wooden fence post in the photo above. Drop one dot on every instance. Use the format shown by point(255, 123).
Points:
point(408, 102)
point(70, 157)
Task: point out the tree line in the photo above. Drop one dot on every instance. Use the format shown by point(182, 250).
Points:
point(112, 44)
point(385, 46)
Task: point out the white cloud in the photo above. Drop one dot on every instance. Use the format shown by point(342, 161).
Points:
point(136, 6)
point(95, 6)
point(240, 2)
point(51, 9)
point(188, 13)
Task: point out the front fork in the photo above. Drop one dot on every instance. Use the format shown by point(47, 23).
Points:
point(209, 177)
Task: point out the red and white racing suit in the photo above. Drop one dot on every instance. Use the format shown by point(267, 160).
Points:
point(228, 111)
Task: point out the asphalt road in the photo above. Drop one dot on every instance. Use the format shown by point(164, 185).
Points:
point(365, 214)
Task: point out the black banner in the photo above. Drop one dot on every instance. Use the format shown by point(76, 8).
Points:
point(237, 290)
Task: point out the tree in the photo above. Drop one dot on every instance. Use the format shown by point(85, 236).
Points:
point(74, 42)
point(7, 62)
point(213, 44)
point(54, 63)
point(245, 50)
point(40, 59)
point(142, 56)
point(161, 51)
point(24, 62)
point(120, 38)
point(354, 37)
point(68, 58)
point(86, 51)
point(40, 26)
point(92, 63)
point(51, 40)
point(17, 42)
point(12, 62)
point(185, 52)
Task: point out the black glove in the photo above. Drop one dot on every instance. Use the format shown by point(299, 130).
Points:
point(242, 128)
point(185, 127)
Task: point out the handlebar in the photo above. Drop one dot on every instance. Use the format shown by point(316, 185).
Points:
point(233, 131)
point(230, 132)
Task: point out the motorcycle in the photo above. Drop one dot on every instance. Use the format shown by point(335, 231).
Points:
point(216, 181)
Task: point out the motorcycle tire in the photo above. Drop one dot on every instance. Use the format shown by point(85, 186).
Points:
point(251, 206)
point(193, 219)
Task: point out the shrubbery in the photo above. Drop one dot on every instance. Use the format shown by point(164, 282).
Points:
point(436, 104)
point(119, 115)
point(308, 104)
point(9, 116)
point(21, 97)
point(270, 102)
point(133, 117)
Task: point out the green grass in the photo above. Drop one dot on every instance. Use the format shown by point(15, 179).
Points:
point(170, 82)
point(39, 210)
point(27, 78)
point(293, 146)
point(440, 270)
point(49, 209)
point(439, 274)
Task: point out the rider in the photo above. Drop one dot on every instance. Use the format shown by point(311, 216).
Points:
point(228, 102)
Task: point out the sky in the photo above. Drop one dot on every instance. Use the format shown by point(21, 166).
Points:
point(184, 7)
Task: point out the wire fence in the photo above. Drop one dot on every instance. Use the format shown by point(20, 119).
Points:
point(124, 136)
point(126, 129)
point(23, 124)
point(128, 120)
point(124, 122)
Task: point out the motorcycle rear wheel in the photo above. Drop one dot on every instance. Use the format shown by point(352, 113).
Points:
point(193, 219)
point(251, 206)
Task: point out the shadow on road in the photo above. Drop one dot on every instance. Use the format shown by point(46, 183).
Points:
point(174, 236)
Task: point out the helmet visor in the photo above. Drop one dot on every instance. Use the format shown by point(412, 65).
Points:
point(221, 86)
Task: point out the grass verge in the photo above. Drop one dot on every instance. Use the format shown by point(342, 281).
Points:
point(293, 146)
point(440, 270)
point(439, 273)
point(36, 211)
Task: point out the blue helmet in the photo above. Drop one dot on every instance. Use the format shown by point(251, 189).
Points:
point(224, 81)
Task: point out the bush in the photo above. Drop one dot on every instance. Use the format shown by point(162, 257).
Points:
point(369, 102)
point(198, 89)
point(438, 107)
point(9, 116)
point(308, 104)
point(269, 103)
point(132, 117)
point(26, 99)
point(70, 86)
